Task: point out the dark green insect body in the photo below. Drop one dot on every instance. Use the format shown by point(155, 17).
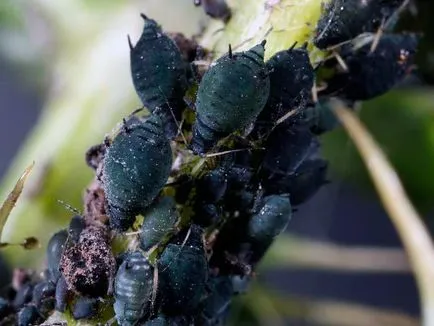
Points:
point(343, 20)
point(291, 82)
point(320, 117)
point(54, 251)
point(159, 75)
point(231, 94)
point(133, 289)
point(183, 273)
point(159, 220)
point(136, 167)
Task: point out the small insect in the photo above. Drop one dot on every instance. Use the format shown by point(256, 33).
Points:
point(24, 295)
point(286, 149)
point(343, 20)
point(159, 220)
point(43, 297)
point(231, 94)
point(183, 273)
point(133, 289)
point(320, 117)
point(373, 73)
point(29, 315)
point(159, 75)
point(62, 294)
point(214, 308)
point(85, 308)
point(54, 251)
point(136, 167)
point(215, 8)
point(291, 82)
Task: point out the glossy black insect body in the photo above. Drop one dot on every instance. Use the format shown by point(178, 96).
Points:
point(343, 20)
point(320, 117)
point(133, 289)
point(215, 8)
point(291, 82)
point(159, 220)
point(231, 95)
point(29, 315)
point(159, 75)
point(44, 297)
point(183, 273)
point(373, 73)
point(136, 167)
point(54, 251)
point(214, 309)
point(286, 148)
point(85, 308)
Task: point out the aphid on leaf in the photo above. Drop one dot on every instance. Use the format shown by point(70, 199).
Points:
point(344, 20)
point(183, 273)
point(136, 167)
point(373, 73)
point(159, 75)
point(231, 94)
point(159, 220)
point(29, 315)
point(291, 82)
point(215, 8)
point(133, 289)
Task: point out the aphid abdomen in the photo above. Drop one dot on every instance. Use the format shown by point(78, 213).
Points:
point(136, 167)
point(291, 82)
point(373, 73)
point(133, 289)
point(231, 95)
point(159, 220)
point(54, 251)
point(343, 20)
point(183, 272)
point(159, 75)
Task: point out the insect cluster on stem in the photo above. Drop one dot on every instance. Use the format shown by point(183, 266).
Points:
point(201, 186)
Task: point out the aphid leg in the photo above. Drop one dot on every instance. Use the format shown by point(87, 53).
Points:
point(341, 62)
point(378, 36)
point(154, 289)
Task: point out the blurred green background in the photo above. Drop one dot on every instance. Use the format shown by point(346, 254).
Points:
point(65, 84)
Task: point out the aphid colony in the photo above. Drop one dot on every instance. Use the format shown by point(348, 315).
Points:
point(213, 191)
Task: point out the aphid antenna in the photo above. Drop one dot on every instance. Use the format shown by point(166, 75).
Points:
point(377, 36)
point(69, 207)
point(154, 289)
point(341, 61)
point(136, 111)
point(230, 52)
point(130, 43)
point(304, 45)
point(226, 152)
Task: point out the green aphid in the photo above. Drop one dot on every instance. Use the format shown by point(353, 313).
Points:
point(159, 220)
point(183, 273)
point(136, 167)
point(159, 74)
point(231, 94)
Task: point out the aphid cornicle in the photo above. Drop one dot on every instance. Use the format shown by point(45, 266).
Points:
point(159, 220)
point(231, 94)
point(373, 73)
point(54, 251)
point(343, 20)
point(291, 82)
point(159, 75)
point(136, 167)
point(133, 289)
point(183, 273)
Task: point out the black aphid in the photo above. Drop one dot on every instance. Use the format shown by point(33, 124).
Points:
point(215, 8)
point(159, 75)
point(320, 117)
point(183, 273)
point(55, 247)
point(158, 221)
point(29, 315)
point(136, 167)
point(85, 308)
point(291, 82)
point(373, 73)
point(231, 94)
point(343, 20)
point(133, 289)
